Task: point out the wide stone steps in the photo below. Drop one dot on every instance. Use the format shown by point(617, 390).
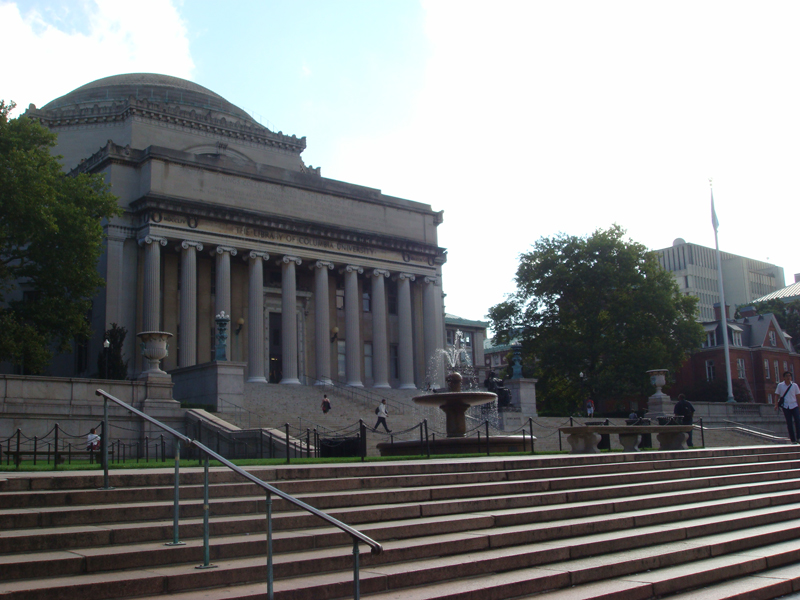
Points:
point(450, 530)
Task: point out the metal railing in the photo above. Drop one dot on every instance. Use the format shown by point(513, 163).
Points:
point(354, 534)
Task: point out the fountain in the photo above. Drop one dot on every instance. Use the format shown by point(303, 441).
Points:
point(454, 403)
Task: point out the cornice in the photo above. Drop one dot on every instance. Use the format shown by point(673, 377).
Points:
point(150, 209)
point(174, 114)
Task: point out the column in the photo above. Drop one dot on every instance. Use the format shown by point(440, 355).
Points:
point(405, 348)
point(151, 302)
point(255, 317)
point(188, 308)
point(352, 327)
point(322, 322)
point(429, 331)
point(223, 284)
point(289, 319)
point(380, 346)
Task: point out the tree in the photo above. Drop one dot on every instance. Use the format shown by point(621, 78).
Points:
point(117, 368)
point(50, 240)
point(595, 313)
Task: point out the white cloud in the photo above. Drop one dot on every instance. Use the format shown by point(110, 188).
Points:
point(50, 60)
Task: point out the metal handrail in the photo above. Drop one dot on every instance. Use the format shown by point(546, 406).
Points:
point(357, 536)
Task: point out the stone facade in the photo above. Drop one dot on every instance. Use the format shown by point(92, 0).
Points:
point(323, 280)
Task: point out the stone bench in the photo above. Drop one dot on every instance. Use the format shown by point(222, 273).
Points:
point(583, 439)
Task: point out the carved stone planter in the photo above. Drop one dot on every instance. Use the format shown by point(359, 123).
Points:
point(154, 349)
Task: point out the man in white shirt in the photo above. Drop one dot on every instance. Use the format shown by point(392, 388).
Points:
point(786, 397)
point(382, 413)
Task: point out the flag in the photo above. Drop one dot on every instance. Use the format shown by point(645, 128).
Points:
point(714, 220)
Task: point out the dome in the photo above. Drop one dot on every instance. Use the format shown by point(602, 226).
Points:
point(148, 86)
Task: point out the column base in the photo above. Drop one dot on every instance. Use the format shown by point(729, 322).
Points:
point(382, 386)
point(292, 381)
point(324, 381)
point(407, 386)
point(257, 380)
point(355, 384)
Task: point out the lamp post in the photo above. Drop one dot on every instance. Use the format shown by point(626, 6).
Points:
point(106, 346)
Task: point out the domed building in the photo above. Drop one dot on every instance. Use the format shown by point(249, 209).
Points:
point(322, 280)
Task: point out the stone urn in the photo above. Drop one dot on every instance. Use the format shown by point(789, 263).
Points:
point(658, 377)
point(154, 349)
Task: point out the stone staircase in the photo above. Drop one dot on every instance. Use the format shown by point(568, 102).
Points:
point(701, 524)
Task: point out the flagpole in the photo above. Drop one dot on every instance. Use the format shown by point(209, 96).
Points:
point(723, 308)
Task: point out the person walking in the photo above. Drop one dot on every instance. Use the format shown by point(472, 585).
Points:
point(326, 404)
point(589, 407)
point(786, 398)
point(382, 413)
point(685, 409)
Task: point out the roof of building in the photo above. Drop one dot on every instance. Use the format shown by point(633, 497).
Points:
point(753, 329)
point(787, 294)
point(456, 320)
point(147, 86)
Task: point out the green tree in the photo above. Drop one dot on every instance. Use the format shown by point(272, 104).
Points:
point(595, 313)
point(50, 240)
point(110, 363)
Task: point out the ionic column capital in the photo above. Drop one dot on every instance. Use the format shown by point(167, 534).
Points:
point(255, 254)
point(186, 244)
point(353, 269)
point(322, 264)
point(151, 239)
point(409, 276)
point(433, 280)
point(291, 259)
point(224, 249)
point(380, 273)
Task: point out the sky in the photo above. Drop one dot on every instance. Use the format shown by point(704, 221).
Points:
point(518, 118)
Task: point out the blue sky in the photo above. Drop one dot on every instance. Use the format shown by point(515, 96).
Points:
point(517, 118)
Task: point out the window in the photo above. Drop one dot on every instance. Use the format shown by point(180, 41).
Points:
point(393, 366)
point(772, 341)
point(766, 369)
point(368, 360)
point(340, 299)
point(711, 339)
point(451, 337)
point(769, 398)
point(740, 368)
point(366, 296)
point(342, 359)
point(777, 372)
point(737, 338)
point(791, 370)
point(467, 339)
point(785, 367)
point(710, 372)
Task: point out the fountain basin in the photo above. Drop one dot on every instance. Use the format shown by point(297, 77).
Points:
point(455, 405)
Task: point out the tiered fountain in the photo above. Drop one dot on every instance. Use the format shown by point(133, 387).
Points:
point(455, 403)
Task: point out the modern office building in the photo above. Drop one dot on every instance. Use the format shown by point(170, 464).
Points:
point(322, 280)
point(695, 271)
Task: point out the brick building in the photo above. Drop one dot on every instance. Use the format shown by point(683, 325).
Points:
point(759, 354)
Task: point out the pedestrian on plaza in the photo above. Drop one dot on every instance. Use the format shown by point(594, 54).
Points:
point(93, 440)
point(589, 407)
point(685, 409)
point(326, 404)
point(382, 413)
point(786, 398)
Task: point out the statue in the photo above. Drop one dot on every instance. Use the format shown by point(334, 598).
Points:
point(495, 385)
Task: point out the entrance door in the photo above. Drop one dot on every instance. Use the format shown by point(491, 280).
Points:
point(275, 348)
